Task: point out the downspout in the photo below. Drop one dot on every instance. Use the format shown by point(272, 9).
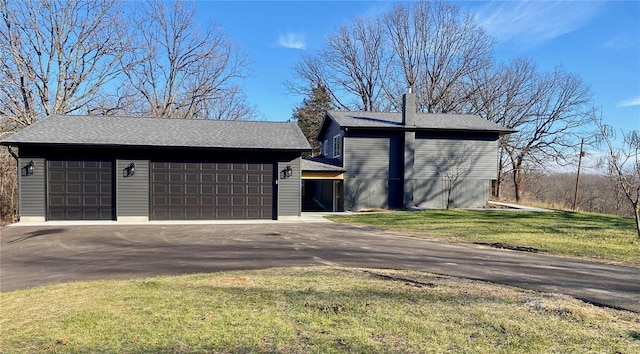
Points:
point(17, 175)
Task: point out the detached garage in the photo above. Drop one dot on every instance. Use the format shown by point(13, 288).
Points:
point(137, 169)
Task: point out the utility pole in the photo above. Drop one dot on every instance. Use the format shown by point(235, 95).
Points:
point(575, 195)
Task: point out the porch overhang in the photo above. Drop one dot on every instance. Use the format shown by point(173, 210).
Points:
point(321, 169)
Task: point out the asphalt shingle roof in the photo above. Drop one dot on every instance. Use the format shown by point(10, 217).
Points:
point(133, 131)
point(423, 121)
point(319, 164)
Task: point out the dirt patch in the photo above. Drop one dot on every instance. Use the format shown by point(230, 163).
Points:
point(509, 247)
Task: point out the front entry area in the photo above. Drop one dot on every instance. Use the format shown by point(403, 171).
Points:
point(322, 195)
point(322, 186)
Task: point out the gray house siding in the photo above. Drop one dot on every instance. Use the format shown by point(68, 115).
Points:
point(433, 193)
point(289, 189)
point(32, 201)
point(463, 167)
point(132, 193)
point(332, 130)
point(367, 162)
point(476, 159)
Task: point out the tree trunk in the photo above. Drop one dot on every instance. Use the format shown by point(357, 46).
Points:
point(517, 184)
point(636, 212)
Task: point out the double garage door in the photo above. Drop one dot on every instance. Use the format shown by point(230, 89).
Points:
point(197, 190)
point(84, 190)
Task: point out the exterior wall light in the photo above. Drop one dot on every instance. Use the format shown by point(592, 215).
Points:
point(28, 169)
point(286, 173)
point(129, 170)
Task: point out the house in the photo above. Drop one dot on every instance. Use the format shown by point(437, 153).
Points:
point(138, 169)
point(405, 160)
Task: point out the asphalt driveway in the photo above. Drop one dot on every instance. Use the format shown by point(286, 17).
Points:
point(33, 256)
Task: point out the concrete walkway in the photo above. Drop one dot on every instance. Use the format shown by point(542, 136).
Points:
point(307, 217)
point(518, 207)
point(34, 256)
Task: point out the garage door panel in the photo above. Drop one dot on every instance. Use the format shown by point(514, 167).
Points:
point(91, 188)
point(176, 189)
point(176, 201)
point(253, 190)
point(192, 177)
point(209, 190)
point(223, 201)
point(74, 176)
point(239, 178)
point(192, 189)
point(176, 177)
point(223, 189)
point(90, 176)
point(238, 189)
point(238, 213)
point(79, 190)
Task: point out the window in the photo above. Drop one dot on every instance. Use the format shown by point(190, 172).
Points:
point(325, 148)
point(337, 146)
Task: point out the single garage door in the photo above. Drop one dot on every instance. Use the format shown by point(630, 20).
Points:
point(80, 190)
point(208, 191)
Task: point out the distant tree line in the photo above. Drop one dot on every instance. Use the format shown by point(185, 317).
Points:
point(556, 190)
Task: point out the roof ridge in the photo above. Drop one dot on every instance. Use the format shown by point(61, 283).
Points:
point(161, 118)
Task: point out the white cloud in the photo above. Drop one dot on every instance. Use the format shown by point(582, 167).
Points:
point(292, 40)
point(531, 23)
point(622, 42)
point(630, 102)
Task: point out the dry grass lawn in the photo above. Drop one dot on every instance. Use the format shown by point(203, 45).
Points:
point(307, 310)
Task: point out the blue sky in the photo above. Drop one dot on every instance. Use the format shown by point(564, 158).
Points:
point(598, 40)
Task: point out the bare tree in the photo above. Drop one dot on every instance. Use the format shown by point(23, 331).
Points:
point(184, 71)
point(428, 46)
point(437, 47)
point(56, 56)
point(504, 95)
point(556, 114)
point(352, 65)
point(623, 163)
point(548, 110)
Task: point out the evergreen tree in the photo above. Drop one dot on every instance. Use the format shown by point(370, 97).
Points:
point(311, 114)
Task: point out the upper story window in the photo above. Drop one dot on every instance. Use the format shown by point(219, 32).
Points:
point(337, 146)
point(325, 148)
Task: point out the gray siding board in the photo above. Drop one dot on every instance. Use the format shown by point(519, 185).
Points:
point(367, 157)
point(132, 193)
point(476, 159)
point(366, 193)
point(466, 193)
point(367, 162)
point(289, 189)
point(32, 188)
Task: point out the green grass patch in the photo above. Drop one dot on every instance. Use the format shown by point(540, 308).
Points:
point(588, 235)
point(304, 310)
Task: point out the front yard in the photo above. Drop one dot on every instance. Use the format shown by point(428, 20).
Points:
point(307, 310)
point(584, 235)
